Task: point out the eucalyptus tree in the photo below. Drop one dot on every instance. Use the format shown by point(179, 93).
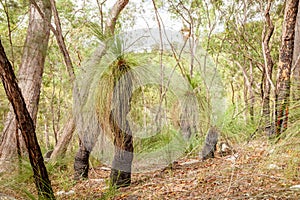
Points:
point(12, 34)
point(296, 61)
point(29, 75)
point(283, 82)
point(245, 33)
point(26, 126)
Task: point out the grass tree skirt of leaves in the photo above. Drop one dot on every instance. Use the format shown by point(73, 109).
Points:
point(138, 86)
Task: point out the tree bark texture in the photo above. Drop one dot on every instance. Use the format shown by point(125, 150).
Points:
point(81, 163)
point(285, 64)
point(296, 61)
point(58, 35)
point(30, 74)
point(27, 127)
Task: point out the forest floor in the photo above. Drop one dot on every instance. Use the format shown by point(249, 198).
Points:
point(254, 171)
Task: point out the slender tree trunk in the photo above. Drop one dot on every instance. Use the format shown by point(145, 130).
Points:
point(285, 63)
point(69, 127)
point(251, 93)
point(248, 83)
point(63, 142)
point(246, 100)
point(30, 75)
point(27, 127)
point(61, 41)
point(267, 70)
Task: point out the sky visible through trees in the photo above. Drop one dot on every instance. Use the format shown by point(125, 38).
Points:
point(142, 83)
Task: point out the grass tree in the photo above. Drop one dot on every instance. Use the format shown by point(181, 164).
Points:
point(81, 165)
point(105, 101)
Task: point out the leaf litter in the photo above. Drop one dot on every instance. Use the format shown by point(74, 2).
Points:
point(250, 173)
point(253, 171)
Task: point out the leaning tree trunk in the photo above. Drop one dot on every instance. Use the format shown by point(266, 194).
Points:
point(27, 127)
point(30, 75)
point(69, 127)
point(285, 63)
point(63, 142)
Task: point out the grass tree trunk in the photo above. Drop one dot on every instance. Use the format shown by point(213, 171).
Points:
point(122, 161)
point(30, 75)
point(27, 127)
point(81, 164)
point(285, 64)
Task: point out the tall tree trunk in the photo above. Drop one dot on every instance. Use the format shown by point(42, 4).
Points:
point(69, 127)
point(27, 127)
point(267, 70)
point(285, 64)
point(296, 61)
point(30, 75)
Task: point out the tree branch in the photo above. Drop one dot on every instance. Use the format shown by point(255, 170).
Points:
point(59, 37)
point(113, 16)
